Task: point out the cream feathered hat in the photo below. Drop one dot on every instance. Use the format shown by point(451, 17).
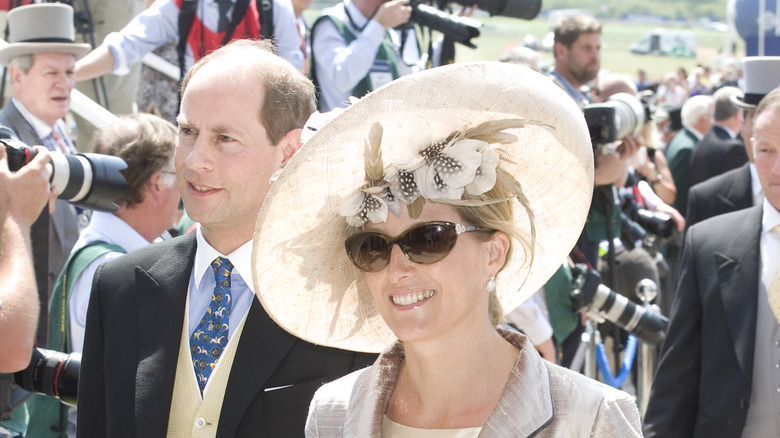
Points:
point(437, 133)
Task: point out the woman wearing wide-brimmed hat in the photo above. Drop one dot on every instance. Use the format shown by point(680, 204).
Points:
point(405, 225)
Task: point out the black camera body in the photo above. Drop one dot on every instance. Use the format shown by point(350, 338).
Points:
point(619, 116)
point(645, 322)
point(87, 180)
point(463, 29)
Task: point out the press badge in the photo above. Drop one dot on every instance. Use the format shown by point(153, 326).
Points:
point(380, 74)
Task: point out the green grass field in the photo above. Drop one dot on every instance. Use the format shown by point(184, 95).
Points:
point(500, 32)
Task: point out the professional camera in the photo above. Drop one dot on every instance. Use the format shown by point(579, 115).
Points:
point(525, 9)
point(463, 29)
point(460, 29)
point(87, 180)
point(51, 373)
point(619, 116)
point(645, 322)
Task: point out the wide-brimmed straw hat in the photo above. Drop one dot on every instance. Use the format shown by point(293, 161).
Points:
point(762, 75)
point(302, 274)
point(41, 28)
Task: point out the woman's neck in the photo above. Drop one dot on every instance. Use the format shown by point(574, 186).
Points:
point(452, 383)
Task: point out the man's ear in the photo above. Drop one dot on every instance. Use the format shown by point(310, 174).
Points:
point(290, 144)
point(15, 73)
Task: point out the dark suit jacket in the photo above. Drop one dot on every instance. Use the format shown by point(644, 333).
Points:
point(131, 348)
point(678, 154)
point(715, 154)
point(703, 381)
point(725, 193)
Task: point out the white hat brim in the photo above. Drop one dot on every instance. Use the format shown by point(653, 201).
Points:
point(302, 275)
point(13, 50)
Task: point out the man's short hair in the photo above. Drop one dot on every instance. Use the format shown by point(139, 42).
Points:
point(723, 108)
point(289, 94)
point(146, 142)
point(568, 29)
point(23, 62)
point(769, 102)
point(696, 107)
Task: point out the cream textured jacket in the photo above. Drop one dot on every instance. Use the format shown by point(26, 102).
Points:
point(540, 400)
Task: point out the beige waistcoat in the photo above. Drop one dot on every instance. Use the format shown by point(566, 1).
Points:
point(190, 415)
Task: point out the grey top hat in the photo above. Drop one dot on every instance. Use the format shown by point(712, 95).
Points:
point(762, 75)
point(41, 28)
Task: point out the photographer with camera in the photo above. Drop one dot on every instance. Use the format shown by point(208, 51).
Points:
point(577, 52)
point(40, 58)
point(357, 48)
point(23, 195)
point(146, 209)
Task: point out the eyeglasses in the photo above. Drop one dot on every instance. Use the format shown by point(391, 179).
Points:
point(425, 243)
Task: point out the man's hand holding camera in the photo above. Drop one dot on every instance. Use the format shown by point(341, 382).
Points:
point(393, 13)
point(612, 165)
point(23, 194)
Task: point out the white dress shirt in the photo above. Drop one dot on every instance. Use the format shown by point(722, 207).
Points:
point(159, 24)
point(340, 66)
point(42, 129)
point(104, 227)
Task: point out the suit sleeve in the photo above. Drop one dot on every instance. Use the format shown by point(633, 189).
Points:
point(692, 214)
point(91, 393)
point(674, 403)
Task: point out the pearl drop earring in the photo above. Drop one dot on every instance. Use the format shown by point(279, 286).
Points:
point(491, 285)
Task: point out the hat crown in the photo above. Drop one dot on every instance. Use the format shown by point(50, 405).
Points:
point(41, 23)
point(762, 75)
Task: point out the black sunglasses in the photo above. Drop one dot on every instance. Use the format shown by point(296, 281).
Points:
point(425, 243)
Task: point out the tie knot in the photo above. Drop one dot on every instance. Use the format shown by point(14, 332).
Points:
point(776, 230)
point(222, 268)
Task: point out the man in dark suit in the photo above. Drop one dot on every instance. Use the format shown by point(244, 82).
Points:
point(720, 150)
point(696, 116)
point(738, 188)
point(241, 116)
point(716, 374)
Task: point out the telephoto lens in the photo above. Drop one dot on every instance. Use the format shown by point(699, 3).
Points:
point(52, 373)
point(88, 180)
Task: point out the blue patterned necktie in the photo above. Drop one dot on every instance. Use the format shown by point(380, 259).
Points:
point(211, 335)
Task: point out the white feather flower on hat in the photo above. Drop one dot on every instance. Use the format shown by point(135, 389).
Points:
point(448, 168)
point(485, 177)
point(370, 204)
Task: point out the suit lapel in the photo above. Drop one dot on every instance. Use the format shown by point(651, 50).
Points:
point(737, 272)
point(262, 347)
point(740, 194)
point(161, 298)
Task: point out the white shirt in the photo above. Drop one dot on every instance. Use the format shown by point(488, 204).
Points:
point(159, 24)
point(105, 227)
point(340, 66)
point(532, 318)
point(202, 282)
point(41, 128)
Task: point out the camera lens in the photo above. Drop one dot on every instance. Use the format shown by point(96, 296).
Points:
point(52, 373)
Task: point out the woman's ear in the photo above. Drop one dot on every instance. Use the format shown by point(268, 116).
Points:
point(498, 246)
